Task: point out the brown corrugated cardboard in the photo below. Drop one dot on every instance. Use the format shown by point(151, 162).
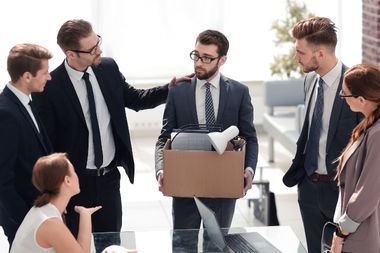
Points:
point(189, 173)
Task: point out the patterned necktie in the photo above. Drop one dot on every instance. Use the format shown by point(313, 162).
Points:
point(94, 122)
point(312, 146)
point(209, 106)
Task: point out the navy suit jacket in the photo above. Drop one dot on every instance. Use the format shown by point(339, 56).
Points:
point(235, 108)
point(342, 122)
point(20, 146)
point(61, 112)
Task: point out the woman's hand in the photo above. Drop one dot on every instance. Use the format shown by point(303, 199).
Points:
point(337, 244)
point(84, 210)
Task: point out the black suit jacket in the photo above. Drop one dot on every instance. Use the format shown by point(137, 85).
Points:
point(61, 112)
point(342, 122)
point(235, 108)
point(20, 146)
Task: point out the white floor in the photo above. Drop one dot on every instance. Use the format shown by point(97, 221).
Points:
point(145, 208)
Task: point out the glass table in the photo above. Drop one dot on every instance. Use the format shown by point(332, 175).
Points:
point(282, 237)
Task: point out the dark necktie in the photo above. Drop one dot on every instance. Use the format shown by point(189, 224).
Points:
point(94, 123)
point(209, 106)
point(312, 146)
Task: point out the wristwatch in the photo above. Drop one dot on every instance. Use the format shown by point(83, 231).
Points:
point(338, 232)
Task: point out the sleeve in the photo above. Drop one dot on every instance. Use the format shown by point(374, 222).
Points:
point(139, 99)
point(247, 130)
point(10, 199)
point(168, 124)
point(365, 199)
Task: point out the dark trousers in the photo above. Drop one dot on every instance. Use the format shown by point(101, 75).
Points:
point(9, 225)
point(186, 216)
point(98, 191)
point(317, 202)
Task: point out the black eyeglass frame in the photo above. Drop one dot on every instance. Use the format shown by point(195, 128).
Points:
point(205, 59)
point(342, 96)
point(92, 51)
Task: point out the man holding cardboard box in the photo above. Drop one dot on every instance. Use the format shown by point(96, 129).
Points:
point(212, 99)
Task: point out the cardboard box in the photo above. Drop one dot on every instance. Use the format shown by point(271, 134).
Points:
point(189, 173)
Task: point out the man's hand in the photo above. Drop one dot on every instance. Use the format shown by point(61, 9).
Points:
point(248, 178)
point(174, 81)
point(160, 180)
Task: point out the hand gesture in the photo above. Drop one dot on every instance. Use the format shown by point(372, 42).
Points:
point(174, 81)
point(84, 210)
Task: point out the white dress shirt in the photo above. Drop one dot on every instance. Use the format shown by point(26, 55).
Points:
point(331, 83)
point(104, 118)
point(200, 95)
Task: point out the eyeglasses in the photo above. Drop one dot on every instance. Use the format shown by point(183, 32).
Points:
point(205, 59)
point(342, 95)
point(93, 50)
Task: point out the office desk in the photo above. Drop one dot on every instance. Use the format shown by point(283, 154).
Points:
point(281, 237)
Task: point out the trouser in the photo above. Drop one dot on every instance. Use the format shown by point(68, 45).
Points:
point(317, 202)
point(186, 216)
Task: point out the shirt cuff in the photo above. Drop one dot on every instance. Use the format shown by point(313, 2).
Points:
point(159, 172)
point(251, 170)
point(347, 224)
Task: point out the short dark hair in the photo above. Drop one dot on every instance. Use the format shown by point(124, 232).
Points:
point(317, 31)
point(26, 58)
point(213, 37)
point(71, 32)
point(48, 175)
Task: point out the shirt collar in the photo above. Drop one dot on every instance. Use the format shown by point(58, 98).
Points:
point(335, 73)
point(24, 99)
point(214, 82)
point(75, 74)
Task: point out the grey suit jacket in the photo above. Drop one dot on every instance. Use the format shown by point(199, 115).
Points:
point(342, 122)
point(235, 108)
point(359, 186)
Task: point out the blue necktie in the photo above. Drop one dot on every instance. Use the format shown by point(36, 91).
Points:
point(94, 123)
point(209, 106)
point(312, 146)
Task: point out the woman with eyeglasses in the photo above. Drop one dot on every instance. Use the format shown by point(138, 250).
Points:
point(358, 209)
point(43, 229)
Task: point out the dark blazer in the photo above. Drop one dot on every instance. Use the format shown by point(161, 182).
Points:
point(20, 146)
point(235, 108)
point(61, 112)
point(342, 122)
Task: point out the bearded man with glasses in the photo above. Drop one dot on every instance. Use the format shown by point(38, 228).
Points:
point(230, 104)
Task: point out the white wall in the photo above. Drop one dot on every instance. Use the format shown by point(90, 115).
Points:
point(151, 39)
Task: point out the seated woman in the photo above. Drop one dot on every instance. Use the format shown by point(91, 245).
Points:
point(42, 229)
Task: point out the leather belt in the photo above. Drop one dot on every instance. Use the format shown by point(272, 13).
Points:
point(315, 177)
point(98, 172)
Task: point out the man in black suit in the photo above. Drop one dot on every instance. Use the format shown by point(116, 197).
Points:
point(231, 105)
point(326, 130)
point(23, 137)
point(83, 109)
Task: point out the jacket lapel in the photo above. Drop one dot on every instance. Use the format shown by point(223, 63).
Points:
point(69, 90)
point(191, 100)
point(223, 95)
point(7, 92)
point(336, 110)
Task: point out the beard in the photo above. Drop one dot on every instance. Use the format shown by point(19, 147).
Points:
point(313, 66)
point(97, 60)
point(203, 74)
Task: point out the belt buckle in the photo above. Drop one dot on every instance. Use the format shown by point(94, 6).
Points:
point(101, 172)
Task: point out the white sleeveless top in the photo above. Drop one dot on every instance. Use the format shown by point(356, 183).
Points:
point(25, 240)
